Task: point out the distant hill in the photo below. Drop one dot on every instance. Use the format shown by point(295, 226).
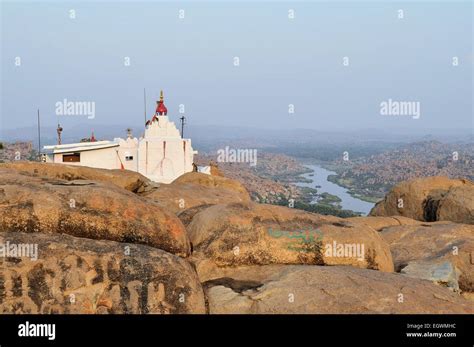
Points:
point(374, 175)
point(211, 137)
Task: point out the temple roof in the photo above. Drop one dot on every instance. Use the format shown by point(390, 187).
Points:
point(81, 146)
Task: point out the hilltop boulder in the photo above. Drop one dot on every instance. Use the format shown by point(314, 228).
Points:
point(429, 199)
point(434, 244)
point(129, 180)
point(95, 210)
point(457, 205)
point(194, 189)
point(82, 276)
point(259, 234)
point(303, 289)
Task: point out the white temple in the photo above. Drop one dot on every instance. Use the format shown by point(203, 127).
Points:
point(162, 154)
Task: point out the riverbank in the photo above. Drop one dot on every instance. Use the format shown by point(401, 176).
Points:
point(354, 192)
point(348, 183)
point(330, 193)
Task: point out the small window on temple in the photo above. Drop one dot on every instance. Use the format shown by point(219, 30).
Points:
point(72, 158)
point(129, 157)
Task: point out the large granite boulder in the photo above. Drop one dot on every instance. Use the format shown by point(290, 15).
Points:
point(129, 180)
point(435, 244)
point(423, 199)
point(96, 210)
point(251, 234)
point(457, 205)
point(195, 189)
point(288, 289)
point(76, 275)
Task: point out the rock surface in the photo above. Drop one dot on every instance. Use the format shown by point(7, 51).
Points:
point(423, 199)
point(378, 223)
point(76, 275)
point(129, 180)
point(250, 258)
point(328, 289)
point(195, 189)
point(86, 209)
point(443, 273)
point(434, 242)
point(457, 205)
point(258, 234)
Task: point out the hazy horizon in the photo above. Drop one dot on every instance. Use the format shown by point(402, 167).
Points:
point(212, 134)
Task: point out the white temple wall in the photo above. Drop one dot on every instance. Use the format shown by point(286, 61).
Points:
point(165, 160)
point(105, 158)
point(161, 128)
point(128, 152)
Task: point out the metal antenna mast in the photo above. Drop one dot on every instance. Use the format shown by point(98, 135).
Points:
point(183, 121)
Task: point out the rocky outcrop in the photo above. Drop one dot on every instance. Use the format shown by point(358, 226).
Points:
point(284, 289)
point(457, 205)
point(76, 275)
point(129, 180)
point(257, 234)
point(378, 223)
point(430, 199)
point(443, 273)
point(187, 215)
point(95, 210)
point(195, 189)
point(110, 241)
point(434, 243)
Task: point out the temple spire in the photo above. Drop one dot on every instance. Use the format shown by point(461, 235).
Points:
point(161, 108)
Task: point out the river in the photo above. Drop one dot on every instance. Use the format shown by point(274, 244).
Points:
point(320, 178)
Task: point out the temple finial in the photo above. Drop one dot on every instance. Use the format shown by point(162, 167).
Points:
point(161, 108)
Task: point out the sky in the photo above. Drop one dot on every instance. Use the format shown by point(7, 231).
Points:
point(283, 61)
